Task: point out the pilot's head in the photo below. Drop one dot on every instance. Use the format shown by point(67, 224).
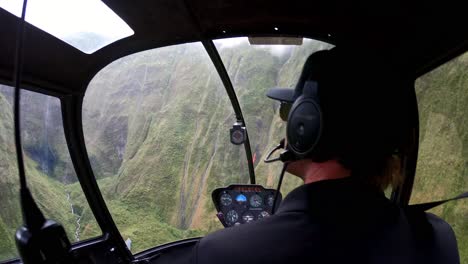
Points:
point(349, 107)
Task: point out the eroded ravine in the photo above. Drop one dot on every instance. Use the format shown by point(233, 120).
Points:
point(77, 217)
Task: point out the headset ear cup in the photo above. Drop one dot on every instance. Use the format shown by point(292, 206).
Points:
point(304, 126)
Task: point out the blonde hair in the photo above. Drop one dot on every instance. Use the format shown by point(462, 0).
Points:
point(391, 175)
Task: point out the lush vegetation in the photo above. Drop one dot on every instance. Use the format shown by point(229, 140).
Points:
point(173, 109)
point(157, 131)
point(50, 193)
point(442, 170)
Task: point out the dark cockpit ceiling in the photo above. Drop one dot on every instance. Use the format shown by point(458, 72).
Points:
point(418, 37)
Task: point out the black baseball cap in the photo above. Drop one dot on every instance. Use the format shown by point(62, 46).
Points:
point(311, 70)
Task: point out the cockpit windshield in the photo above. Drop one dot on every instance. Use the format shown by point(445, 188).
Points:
point(156, 125)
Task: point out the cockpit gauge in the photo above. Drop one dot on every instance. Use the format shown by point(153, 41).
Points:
point(270, 200)
point(232, 217)
point(240, 204)
point(241, 199)
point(263, 214)
point(248, 217)
point(255, 200)
point(225, 199)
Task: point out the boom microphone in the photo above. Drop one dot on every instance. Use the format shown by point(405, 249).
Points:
point(285, 156)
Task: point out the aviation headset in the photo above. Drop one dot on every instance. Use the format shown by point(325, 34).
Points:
point(304, 118)
point(304, 124)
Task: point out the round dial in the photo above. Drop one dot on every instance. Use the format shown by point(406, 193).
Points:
point(231, 217)
point(256, 200)
point(263, 214)
point(226, 199)
point(270, 200)
point(241, 199)
point(248, 217)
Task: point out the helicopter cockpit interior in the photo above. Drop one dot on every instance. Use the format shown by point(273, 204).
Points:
point(145, 124)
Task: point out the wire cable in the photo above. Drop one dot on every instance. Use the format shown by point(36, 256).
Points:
point(32, 216)
point(16, 110)
point(39, 241)
point(280, 182)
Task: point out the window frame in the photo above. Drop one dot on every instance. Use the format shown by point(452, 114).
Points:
point(103, 238)
point(71, 105)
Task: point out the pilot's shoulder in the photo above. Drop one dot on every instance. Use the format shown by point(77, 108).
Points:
point(439, 223)
point(224, 236)
point(445, 242)
point(222, 244)
point(231, 244)
point(442, 229)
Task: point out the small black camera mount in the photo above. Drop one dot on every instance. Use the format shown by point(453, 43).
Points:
point(238, 133)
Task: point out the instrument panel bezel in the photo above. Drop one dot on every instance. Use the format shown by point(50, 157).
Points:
point(248, 190)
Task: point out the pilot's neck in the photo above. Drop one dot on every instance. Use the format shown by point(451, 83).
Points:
point(310, 171)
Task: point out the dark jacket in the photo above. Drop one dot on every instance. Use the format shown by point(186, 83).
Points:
point(334, 221)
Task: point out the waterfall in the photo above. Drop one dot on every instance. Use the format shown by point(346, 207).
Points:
point(45, 158)
point(78, 218)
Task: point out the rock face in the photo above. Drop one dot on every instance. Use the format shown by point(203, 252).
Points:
point(443, 144)
point(156, 126)
point(49, 192)
point(168, 106)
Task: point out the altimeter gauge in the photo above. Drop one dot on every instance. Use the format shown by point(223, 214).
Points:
point(256, 200)
point(225, 199)
point(231, 217)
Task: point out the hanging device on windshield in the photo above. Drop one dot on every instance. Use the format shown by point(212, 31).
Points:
point(39, 240)
point(244, 203)
point(238, 133)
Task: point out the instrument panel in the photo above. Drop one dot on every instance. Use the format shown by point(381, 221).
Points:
point(242, 204)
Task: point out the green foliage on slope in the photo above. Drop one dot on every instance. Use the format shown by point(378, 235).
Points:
point(157, 130)
point(175, 111)
point(164, 128)
point(171, 120)
point(42, 133)
point(442, 170)
point(133, 222)
point(49, 193)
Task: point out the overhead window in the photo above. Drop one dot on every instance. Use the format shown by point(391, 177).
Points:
point(49, 171)
point(87, 25)
point(443, 144)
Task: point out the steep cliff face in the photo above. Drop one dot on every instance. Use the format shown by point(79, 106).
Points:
point(157, 132)
point(168, 106)
point(443, 156)
point(48, 192)
point(159, 121)
point(176, 113)
point(42, 133)
point(10, 211)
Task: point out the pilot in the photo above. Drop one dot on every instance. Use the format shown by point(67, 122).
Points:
point(348, 119)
